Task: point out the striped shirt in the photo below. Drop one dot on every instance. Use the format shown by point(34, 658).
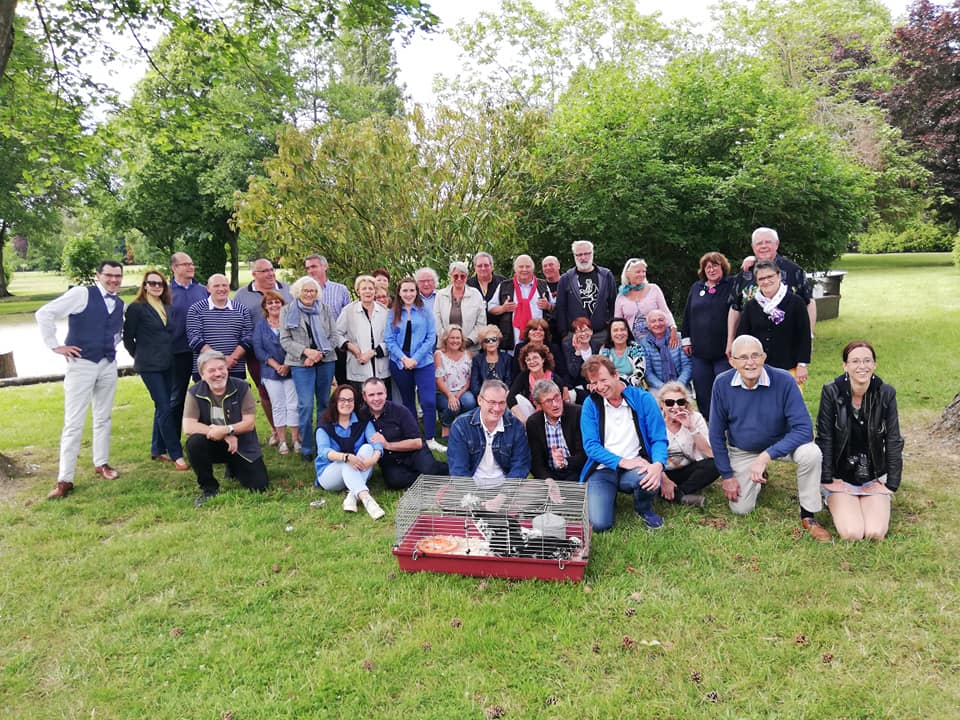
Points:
point(222, 329)
point(335, 296)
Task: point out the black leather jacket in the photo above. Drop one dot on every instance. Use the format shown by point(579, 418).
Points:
point(884, 443)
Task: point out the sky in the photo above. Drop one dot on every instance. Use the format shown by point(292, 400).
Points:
point(425, 55)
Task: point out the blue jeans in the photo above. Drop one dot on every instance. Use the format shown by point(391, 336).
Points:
point(166, 435)
point(424, 380)
point(313, 389)
point(467, 403)
point(602, 487)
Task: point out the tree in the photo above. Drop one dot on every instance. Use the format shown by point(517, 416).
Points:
point(41, 147)
point(668, 170)
point(394, 192)
point(925, 102)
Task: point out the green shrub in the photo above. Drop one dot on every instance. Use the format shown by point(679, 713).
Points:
point(921, 236)
point(81, 255)
point(956, 249)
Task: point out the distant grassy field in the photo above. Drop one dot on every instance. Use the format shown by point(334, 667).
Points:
point(125, 602)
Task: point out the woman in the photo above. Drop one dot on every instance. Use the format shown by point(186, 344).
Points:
point(491, 363)
point(346, 452)
point(361, 327)
point(858, 431)
point(453, 365)
point(148, 338)
point(665, 362)
point(410, 338)
point(460, 304)
point(538, 331)
point(779, 320)
point(308, 337)
point(536, 364)
point(577, 348)
point(637, 297)
point(382, 296)
point(275, 373)
point(690, 466)
point(625, 352)
point(704, 327)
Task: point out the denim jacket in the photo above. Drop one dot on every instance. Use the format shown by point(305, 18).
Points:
point(468, 442)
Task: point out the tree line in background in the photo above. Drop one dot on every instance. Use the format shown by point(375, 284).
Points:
point(249, 137)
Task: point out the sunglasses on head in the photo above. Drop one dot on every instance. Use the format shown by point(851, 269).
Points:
point(670, 402)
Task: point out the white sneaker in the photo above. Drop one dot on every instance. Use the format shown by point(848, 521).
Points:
point(297, 446)
point(350, 502)
point(373, 507)
point(436, 446)
point(283, 449)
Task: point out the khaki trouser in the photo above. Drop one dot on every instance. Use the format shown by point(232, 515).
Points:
point(807, 458)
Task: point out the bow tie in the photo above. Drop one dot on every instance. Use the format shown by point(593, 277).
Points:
point(112, 296)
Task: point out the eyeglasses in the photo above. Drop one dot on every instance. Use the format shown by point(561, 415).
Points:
point(491, 340)
point(494, 403)
point(345, 401)
point(113, 276)
point(184, 264)
point(752, 357)
point(767, 278)
point(584, 331)
point(670, 402)
point(856, 362)
point(153, 283)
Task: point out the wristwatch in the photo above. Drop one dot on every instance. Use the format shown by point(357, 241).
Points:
point(229, 429)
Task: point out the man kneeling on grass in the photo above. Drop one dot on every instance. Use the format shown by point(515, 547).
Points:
point(219, 419)
point(626, 443)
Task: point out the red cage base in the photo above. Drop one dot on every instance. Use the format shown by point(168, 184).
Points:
point(412, 560)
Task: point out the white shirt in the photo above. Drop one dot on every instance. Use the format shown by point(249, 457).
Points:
point(213, 306)
point(619, 432)
point(682, 445)
point(488, 473)
point(762, 381)
point(535, 312)
point(72, 302)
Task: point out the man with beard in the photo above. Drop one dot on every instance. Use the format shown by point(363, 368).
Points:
point(585, 291)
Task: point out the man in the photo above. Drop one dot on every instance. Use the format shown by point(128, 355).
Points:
point(404, 456)
point(485, 280)
point(765, 243)
point(427, 281)
point(553, 433)
point(518, 301)
point(626, 444)
point(218, 323)
point(336, 297)
point(219, 419)
point(184, 292)
point(550, 267)
point(488, 443)
point(585, 290)
point(94, 320)
point(757, 415)
point(251, 297)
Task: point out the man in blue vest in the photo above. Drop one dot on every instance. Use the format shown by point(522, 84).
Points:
point(94, 317)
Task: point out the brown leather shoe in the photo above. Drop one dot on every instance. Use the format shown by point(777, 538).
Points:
point(60, 491)
point(816, 530)
point(106, 472)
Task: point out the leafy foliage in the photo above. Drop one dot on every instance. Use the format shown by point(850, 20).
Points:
point(925, 102)
point(81, 255)
point(381, 192)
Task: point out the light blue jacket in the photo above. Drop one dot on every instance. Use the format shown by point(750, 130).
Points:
point(423, 338)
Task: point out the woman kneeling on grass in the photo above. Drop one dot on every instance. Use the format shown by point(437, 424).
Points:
point(858, 432)
point(345, 454)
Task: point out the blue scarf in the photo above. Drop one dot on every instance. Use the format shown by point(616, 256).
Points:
point(313, 318)
point(625, 289)
point(669, 370)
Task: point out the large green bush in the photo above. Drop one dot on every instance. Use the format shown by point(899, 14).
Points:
point(81, 255)
point(921, 236)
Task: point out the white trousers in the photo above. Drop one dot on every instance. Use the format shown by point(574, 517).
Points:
point(85, 381)
point(807, 458)
point(283, 398)
point(339, 475)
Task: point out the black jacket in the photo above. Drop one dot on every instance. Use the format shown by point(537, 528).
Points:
point(147, 339)
point(884, 443)
point(540, 451)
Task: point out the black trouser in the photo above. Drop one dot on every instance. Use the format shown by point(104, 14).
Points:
point(204, 453)
point(340, 369)
point(182, 368)
point(401, 469)
point(693, 478)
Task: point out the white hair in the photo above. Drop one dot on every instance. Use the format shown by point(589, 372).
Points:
point(743, 340)
point(573, 245)
point(764, 231)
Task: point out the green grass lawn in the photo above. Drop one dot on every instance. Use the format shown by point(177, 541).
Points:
point(124, 601)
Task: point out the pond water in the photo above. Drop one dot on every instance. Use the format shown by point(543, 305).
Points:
point(21, 335)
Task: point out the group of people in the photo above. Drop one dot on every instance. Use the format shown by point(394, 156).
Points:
point(570, 377)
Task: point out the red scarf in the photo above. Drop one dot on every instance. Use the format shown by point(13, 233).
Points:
point(522, 315)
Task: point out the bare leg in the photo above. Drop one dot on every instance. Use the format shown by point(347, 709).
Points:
point(847, 515)
point(876, 516)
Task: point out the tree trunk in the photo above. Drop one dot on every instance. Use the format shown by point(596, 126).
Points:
point(949, 422)
point(234, 242)
point(8, 9)
point(4, 292)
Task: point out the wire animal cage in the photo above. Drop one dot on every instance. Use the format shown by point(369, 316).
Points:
point(521, 529)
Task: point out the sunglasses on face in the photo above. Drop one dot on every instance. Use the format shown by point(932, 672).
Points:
point(491, 340)
point(153, 283)
point(670, 402)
